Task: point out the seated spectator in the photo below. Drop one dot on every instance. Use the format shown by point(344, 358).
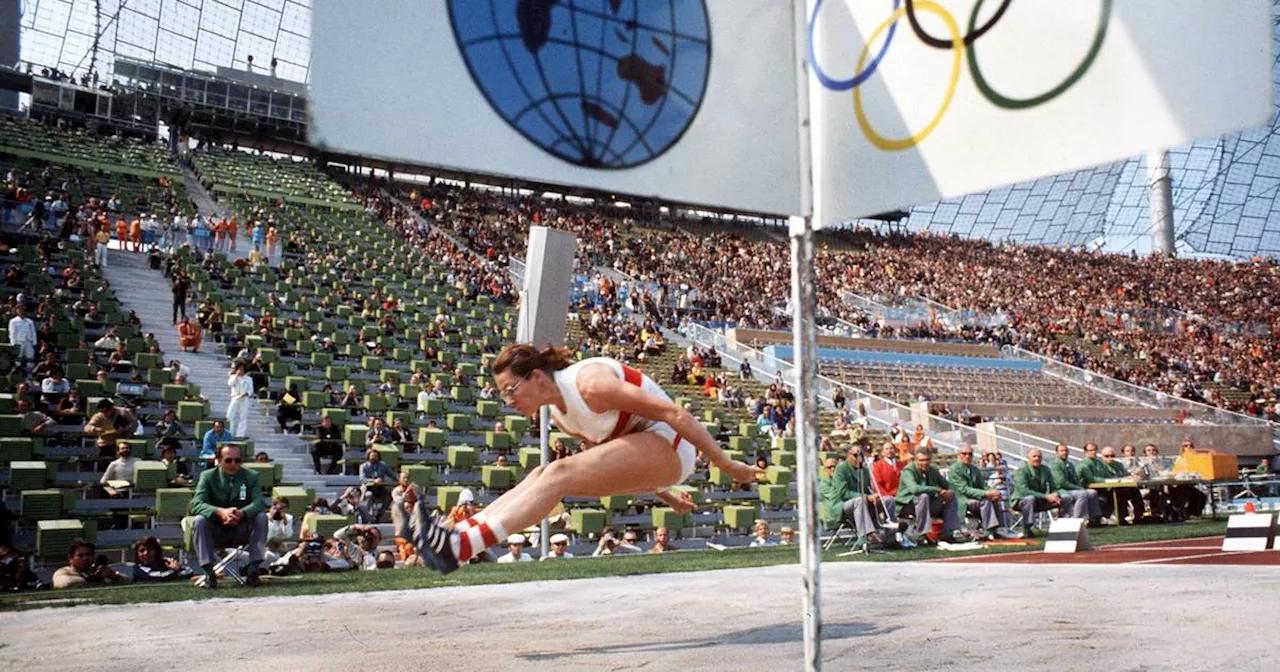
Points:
point(216, 436)
point(975, 498)
point(760, 535)
point(110, 424)
point(887, 473)
point(149, 563)
point(289, 411)
point(375, 484)
point(34, 422)
point(409, 515)
point(355, 545)
point(464, 509)
point(169, 458)
point(109, 341)
point(611, 545)
point(53, 388)
point(847, 494)
point(559, 548)
point(786, 536)
point(927, 494)
point(515, 550)
point(227, 510)
point(351, 399)
point(119, 473)
point(1082, 501)
point(1033, 490)
point(85, 568)
point(169, 427)
point(280, 525)
point(559, 450)
point(402, 436)
point(378, 433)
point(328, 445)
point(15, 570)
point(424, 395)
point(72, 408)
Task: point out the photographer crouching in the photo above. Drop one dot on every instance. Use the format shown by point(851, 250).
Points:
point(85, 568)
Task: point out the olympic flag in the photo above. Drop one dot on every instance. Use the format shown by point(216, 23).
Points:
point(689, 100)
point(917, 100)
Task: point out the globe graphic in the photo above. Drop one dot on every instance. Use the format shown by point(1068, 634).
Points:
point(606, 84)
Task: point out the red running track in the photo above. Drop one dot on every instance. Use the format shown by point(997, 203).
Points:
point(1197, 551)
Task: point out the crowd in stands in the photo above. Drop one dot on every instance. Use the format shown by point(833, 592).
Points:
point(1198, 329)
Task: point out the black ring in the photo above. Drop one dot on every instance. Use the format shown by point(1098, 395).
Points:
point(950, 44)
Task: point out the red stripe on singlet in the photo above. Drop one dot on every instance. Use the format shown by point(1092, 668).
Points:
point(635, 377)
point(487, 535)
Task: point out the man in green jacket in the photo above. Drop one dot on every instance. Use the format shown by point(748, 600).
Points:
point(1033, 489)
point(971, 489)
point(227, 509)
point(1082, 501)
point(1091, 470)
point(1123, 497)
point(847, 495)
point(923, 487)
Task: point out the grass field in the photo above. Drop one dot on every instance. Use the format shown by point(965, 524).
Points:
point(579, 568)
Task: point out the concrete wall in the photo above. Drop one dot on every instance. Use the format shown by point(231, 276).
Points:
point(1029, 412)
point(1245, 440)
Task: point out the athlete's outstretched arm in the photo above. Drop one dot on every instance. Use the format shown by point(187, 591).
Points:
point(602, 391)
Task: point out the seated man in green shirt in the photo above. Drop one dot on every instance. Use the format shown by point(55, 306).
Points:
point(847, 495)
point(1033, 490)
point(922, 489)
point(1082, 501)
point(228, 511)
point(1126, 497)
point(976, 499)
point(1091, 470)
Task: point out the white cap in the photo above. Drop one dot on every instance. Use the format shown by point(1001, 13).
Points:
point(559, 538)
point(466, 496)
point(516, 539)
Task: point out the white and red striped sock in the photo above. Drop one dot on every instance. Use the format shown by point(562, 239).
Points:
point(473, 539)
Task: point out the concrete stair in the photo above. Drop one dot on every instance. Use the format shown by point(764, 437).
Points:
point(147, 292)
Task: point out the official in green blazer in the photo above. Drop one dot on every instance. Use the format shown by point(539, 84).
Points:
point(1082, 501)
point(228, 511)
point(847, 494)
point(1033, 489)
point(976, 500)
point(923, 488)
point(1091, 470)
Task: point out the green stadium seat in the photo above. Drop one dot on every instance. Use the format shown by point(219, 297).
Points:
point(447, 496)
point(587, 522)
point(487, 408)
point(354, 434)
point(780, 475)
point(518, 425)
point(422, 474)
point(172, 394)
point(458, 422)
point(149, 475)
point(434, 407)
point(281, 369)
point(173, 503)
point(40, 505)
point(266, 474)
point(463, 393)
point(321, 359)
point(147, 360)
point(530, 457)
point(665, 516)
point(783, 458)
point(300, 498)
point(748, 429)
point(392, 456)
point(497, 478)
point(615, 502)
point(158, 376)
point(408, 391)
point(742, 444)
point(462, 457)
point(715, 415)
point(784, 443)
point(371, 363)
point(375, 403)
point(10, 425)
point(719, 477)
point(336, 373)
point(314, 400)
point(773, 495)
point(740, 517)
point(339, 415)
point(18, 448)
point(431, 438)
point(190, 411)
point(497, 440)
point(30, 475)
point(54, 537)
point(325, 524)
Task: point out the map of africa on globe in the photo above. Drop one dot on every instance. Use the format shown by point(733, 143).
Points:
point(599, 83)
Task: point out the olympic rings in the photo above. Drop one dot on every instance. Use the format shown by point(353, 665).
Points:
point(861, 75)
point(899, 144)
point(1007, 103)
point(957, 44)
point(968, 38)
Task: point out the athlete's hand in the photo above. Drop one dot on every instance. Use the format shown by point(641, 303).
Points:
point(743, 472)
point(682, 503)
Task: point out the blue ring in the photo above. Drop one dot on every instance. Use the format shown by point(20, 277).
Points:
point(857, 79)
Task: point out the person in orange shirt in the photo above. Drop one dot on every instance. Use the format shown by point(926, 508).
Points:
point(135, 235)
point(232, 230)
point(220, 234)
point(122, 233)
point(189, 335)
point(272, 238)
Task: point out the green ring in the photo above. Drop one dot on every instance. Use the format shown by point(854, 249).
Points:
point(1000, 100)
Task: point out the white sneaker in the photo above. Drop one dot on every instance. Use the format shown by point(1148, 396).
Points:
point(905, 541)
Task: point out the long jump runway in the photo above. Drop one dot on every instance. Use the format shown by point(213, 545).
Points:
point(1197, 551)
point(883, 616)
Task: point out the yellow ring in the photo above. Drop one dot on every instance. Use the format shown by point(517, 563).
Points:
point(957, 48)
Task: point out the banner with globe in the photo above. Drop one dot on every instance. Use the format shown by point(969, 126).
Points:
point(917, 100)
point(692, 100)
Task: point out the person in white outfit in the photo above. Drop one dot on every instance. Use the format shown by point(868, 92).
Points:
point(643, 443)
point(22, 334)
point(241, 396)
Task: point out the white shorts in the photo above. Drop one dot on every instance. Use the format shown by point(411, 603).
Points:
point(687, 452)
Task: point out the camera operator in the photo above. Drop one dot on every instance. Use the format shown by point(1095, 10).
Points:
point(84, 568)
point(280, 529)
point(611, 545)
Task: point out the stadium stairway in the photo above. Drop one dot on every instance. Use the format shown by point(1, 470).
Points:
point(203, 201)
point(146, 292)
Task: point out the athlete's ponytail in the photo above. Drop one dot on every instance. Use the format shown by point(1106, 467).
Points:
point(521, 358)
